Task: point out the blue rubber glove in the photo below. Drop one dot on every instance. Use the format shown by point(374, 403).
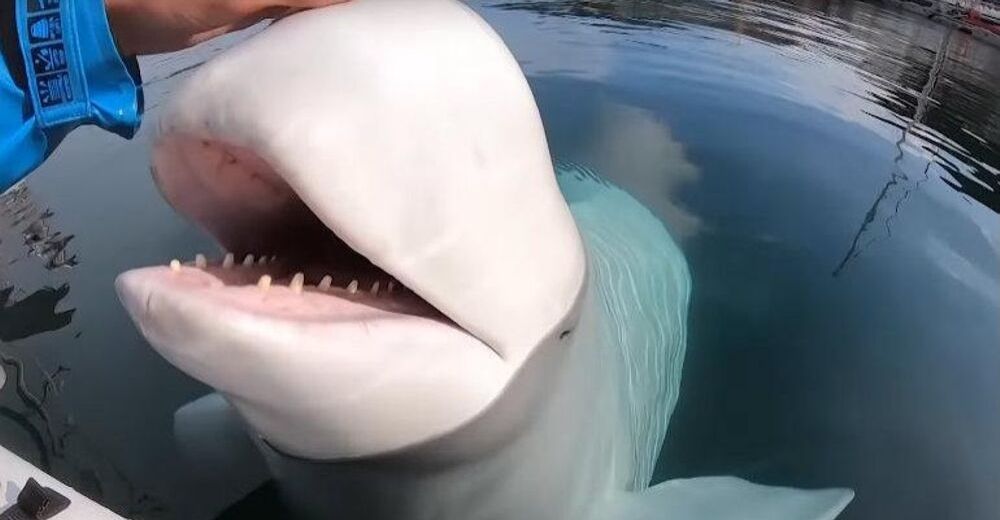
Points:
point(61, 69)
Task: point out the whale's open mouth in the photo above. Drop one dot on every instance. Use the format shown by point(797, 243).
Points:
point(281, 263)
point(280, 260)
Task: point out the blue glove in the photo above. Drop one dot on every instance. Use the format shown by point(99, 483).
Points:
point(61, 69)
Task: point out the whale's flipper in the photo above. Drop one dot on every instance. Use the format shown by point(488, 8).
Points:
point(224, 465)
point(728, 498)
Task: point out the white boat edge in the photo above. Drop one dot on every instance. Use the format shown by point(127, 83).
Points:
point(14, 474)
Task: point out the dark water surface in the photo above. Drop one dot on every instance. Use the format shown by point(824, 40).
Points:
point(831, 168)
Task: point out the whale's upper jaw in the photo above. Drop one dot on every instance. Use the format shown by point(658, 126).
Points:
point(395, 168)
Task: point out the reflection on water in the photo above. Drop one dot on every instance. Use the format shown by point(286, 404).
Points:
point(33, 314)
point(24, 315)
point(33, 417)
point(956, 120)
point(900, 185)
point(782, 141)
point(21, 213)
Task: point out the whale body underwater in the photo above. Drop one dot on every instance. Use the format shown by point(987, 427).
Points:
point(420, 317)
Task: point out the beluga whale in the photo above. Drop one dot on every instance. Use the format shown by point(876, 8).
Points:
point(416, 314)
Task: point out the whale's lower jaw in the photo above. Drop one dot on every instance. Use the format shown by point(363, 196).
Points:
point(393, 372)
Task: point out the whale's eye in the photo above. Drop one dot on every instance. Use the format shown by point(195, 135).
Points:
point(565, 334)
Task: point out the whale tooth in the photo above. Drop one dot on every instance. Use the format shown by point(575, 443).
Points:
point(326, 283)
point(298, 282)
point(262, 260)
point(264, 282)
point(391, 286)
point(248, 261)
point(375, 287)
point(229, 261)
point(200, 261)
point(353, 287)
point(175, 265)
point(274, 258)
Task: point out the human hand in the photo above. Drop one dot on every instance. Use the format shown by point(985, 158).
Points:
point(151, 26)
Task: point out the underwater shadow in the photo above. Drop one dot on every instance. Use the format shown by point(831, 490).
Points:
point(33, 315)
